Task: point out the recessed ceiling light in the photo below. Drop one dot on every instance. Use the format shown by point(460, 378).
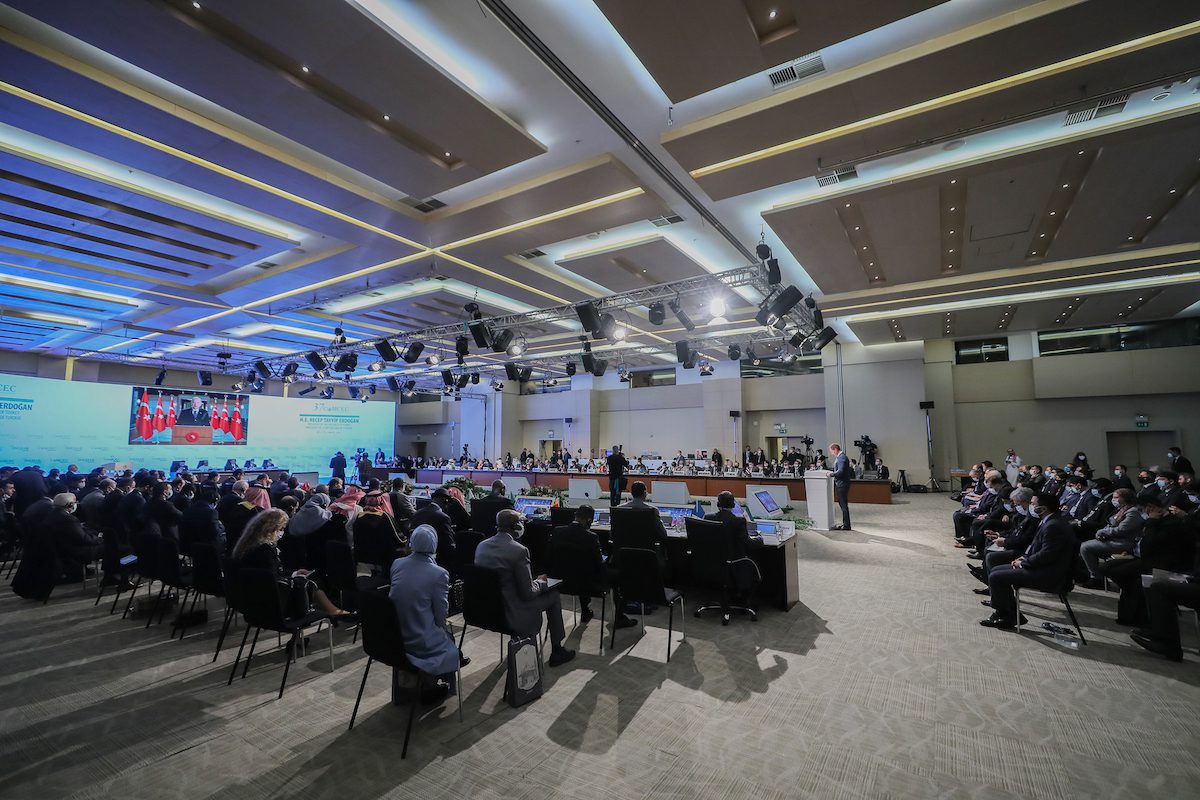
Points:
point(856, 227)
point(1041, 236)
point(871, 264)
point(951, 208)
point(864, 247)
point(847, 205)
point(447, 154)
point(1066, 185)
point(1130, 239)
point(877, 277)
point(1079, 153)
point(953, 180)
point(1171, 192)
point(1052, 213)
point(772, 14)
point(196, 6)
point(386, 118)
point(951, 233)
point(951, 251)
point(303, 68)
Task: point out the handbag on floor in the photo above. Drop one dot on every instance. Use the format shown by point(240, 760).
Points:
point(523, 682)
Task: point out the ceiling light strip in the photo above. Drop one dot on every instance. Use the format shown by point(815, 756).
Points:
point(982, 90)
point(599, 202)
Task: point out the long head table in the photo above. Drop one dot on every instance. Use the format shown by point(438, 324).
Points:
point(877, 492)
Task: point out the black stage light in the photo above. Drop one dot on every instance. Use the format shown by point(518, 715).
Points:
point(290, 369)
point(681, 315)
point(347, 362)
point(262, 368)
point(447, 377)
point(412, 352)
point(160, 377)
point(327, 392)
point(526, 373)
point(371, 389)
point(774, 276)
point(658, 314)
point(462, 346)
point(447, 391)
point(763, 251)
point(354, 392)
point(472, 308)
point(204, 378)
point(474, 378)
point(518, 347)
point(819, 340)
point(511, 371)
point(498, 386)
point(690, 363)
point(481, 333)
point(608, 327)
point(462, 381)
point(588, 316)
point(502, 340)
point(818, 318)
point(734, 352)
point(706, 369)
point(810, 302)
point(237, 387)
point(589, 362)
point(309, 390)
point(393, 384)
point(409, 387)
point(570, 367)
point(798, 338)
point(771, 312)
point(682, 350)
point(386, 351)
point(433, 359)
point(316, 361)
point(599, 367)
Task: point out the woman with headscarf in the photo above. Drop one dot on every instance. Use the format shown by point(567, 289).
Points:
point(420, 592)
point(460, 516)
point(258, 496)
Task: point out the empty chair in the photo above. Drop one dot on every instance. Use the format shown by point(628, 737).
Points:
point(640, 581)
point(145, 551)
point(172, 575)
point(713, 564)
point(207, 579)
point(1062, 592)
point(466, 542)
point(383, 640)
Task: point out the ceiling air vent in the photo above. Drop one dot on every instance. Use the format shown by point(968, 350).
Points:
point(798, 70)
point(266, 265)
point(534, 253)
point(1102, 108)
point(424, 206)
point(839, 175)
point(664, 221)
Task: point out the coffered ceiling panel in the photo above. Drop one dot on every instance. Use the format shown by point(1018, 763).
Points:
point(623, 268)
point(739, 38)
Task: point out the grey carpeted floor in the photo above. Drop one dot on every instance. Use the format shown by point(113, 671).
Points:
point(880, 684)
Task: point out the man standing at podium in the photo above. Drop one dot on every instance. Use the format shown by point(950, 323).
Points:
point(842, 474)
point(194, 414)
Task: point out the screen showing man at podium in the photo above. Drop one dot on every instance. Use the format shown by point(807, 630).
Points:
point(171, 416)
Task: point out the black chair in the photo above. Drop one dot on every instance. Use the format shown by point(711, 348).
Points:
point(233, 599)
point(577, 581)
point(262, 608)
point(536, 540)
point(640, 581)
point(713, 564)
point(635, 528)
point(483, 607)
point(376, 541)
point(172, 575)
point(293, 551)
point(207, 581)
point(145, 550)
point(466, 543)
point(383, 641)
point(562, 515)
point(1062, 592)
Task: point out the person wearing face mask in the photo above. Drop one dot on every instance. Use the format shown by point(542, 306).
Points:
point(1184, 494)
point(1167, 542)
point(978, 510)
point(1080, 502)
point(1011, 543)
point(1168, 489)
point(1118, 536)
point(1052, 483)
point(998, 520)
point(1079, 465)
point(1045, 564)
point(1179, 462)
point(1012, 466)
point(525, 599)
point(160, 511)
point(1121, 477)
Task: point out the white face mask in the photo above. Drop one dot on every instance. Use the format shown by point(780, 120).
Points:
point(1035, 511)
point(1008, 506)
point(1118, 472)
point(1116, 503)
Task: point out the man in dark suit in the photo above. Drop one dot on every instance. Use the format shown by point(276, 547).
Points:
point(434, 514)
point(843, 473)
point(200, 523)
point(485, 509)
point(30, 485)
point(338, 465)
point(194, 414)
point(617, 464)
point(525, 599)
point(1179, 462)
point(575, 552)
point(1047, 562)
point(735, 526)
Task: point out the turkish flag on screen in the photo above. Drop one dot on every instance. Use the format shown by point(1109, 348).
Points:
point(160, 419)
point(216, 415)
point(171, 413)
point(236, 422)
point(225, 416)
point(143, 426)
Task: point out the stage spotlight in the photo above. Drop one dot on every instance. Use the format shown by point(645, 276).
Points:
point(681, 315)
point(600, 367)
point(682, 351)
point(518, 347)
point(346, 362)
point(371, 389)
point(570, 367)
point(289, 378)
point(204, 378)
point(339, 336)
point(658, 314)
point(589, 362)
point(474, 378)
point(393, 384)
point(623, 374)
point(412, 352)
point(810, 302)
point(376, 366)
point(798, 338)
point(772, 311)
point(472, 308)
point(447, 391)
point(498, 386)
point(619, 332)
point(763, 251)
point(257, 388)
point(706, 369)
point(316, 361)
point(502, 340)
point(511, 371)
point(818, 318)
point(160, 377)
point(717, 307)
point(289, 369)
point(690, 363)
point(321, 374)
point(588, 316)
point(386, 351)
point(362, 399)
point(447, 377)
point(433, 359)
point(327, 392)
point(462, 346)
point(354, 392)
point(774, 276)
point(462, 381)
point(262, 368)
point(608, 328)
point(816, 342)
point(734, 352)
point(307, 391)
point(237, 387)
point(525, 374)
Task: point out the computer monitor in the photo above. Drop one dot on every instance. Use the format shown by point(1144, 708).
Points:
point(311, 478)
point(176, 466)
point(530, 506)
point(201, 464)
point(602, 517)
point(766, 527)
point(673, 516)
point(768, 503)
point(669, 492)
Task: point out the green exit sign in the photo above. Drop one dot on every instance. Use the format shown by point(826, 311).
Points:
point(1143, 423)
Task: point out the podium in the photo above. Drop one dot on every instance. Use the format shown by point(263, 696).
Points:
point(818, 487)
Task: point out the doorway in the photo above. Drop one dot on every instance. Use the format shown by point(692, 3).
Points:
point(1139, 450)
point(546, 447)
point(418, 449)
